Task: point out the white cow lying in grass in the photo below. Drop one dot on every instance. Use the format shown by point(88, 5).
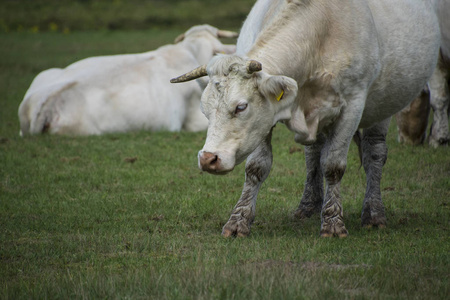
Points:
point(121, 93)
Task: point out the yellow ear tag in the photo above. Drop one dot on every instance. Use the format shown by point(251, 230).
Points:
point(280, 95)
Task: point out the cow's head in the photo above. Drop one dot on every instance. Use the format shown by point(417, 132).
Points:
point(203, 42)
point(242, 104)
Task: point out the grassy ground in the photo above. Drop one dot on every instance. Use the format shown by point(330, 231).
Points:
point(79, 219)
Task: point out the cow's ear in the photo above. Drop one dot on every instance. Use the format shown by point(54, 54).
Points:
point(280, 89)
point(281, 92)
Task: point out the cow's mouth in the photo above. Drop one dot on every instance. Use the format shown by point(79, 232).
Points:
point(219, 172)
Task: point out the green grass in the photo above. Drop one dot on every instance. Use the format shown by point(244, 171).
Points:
point(78, 220)
point(67, 16)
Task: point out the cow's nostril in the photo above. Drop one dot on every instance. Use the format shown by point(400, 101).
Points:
point(209, 161)
point(214, 160)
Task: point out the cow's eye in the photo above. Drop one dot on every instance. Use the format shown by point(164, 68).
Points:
point(240, 108)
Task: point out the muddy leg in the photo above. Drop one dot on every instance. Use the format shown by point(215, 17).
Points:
point(312, 198)
point(257, 169)
point(439, 98)
point(374, 157)
point(332, 212)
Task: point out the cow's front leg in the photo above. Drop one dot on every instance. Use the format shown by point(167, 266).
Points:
point(374, 157)
point(257, 168)
point(333, 161)
point(312, 198)
point(332, 211)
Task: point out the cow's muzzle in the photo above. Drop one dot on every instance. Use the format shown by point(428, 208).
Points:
point(211, 163)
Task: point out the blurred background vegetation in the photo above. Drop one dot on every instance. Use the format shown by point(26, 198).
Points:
point(80, 15)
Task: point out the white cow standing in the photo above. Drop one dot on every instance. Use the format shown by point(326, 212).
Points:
point(121, 93)
point(324, 68)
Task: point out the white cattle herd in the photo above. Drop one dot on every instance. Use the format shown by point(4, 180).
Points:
point(325, 68)
point(121, 93)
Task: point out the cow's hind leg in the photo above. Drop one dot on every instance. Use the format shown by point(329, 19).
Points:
point(257, 168)
point(439, 98)
point(312, 198)
point(374, 156)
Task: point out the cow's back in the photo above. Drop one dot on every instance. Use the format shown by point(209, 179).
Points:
point(388, 48)
point(133, 95)
point(115, 93)
point(259, 17)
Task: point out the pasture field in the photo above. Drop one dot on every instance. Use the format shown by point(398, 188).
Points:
point(74, 15)
point(130, 216)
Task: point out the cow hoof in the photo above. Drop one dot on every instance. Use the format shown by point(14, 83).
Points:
point(227, 233)
point(436, 142)
point(370, 226)
point(235, 230)
point(329, 235)
point(326, 235)
point(340, 232)
point(304, 213)
point(374, 222)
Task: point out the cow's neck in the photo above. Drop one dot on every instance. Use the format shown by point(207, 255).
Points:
point(291, 44)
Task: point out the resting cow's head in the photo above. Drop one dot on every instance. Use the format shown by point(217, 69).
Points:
point(242, 104)
point(203, 41)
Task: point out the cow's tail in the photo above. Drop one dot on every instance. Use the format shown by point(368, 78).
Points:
point(37, 117)
point(357, 139)
point(24, 116)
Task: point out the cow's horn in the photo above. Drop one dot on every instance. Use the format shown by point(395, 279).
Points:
point(194, 74)
point(253, 66)
point(227, 34)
